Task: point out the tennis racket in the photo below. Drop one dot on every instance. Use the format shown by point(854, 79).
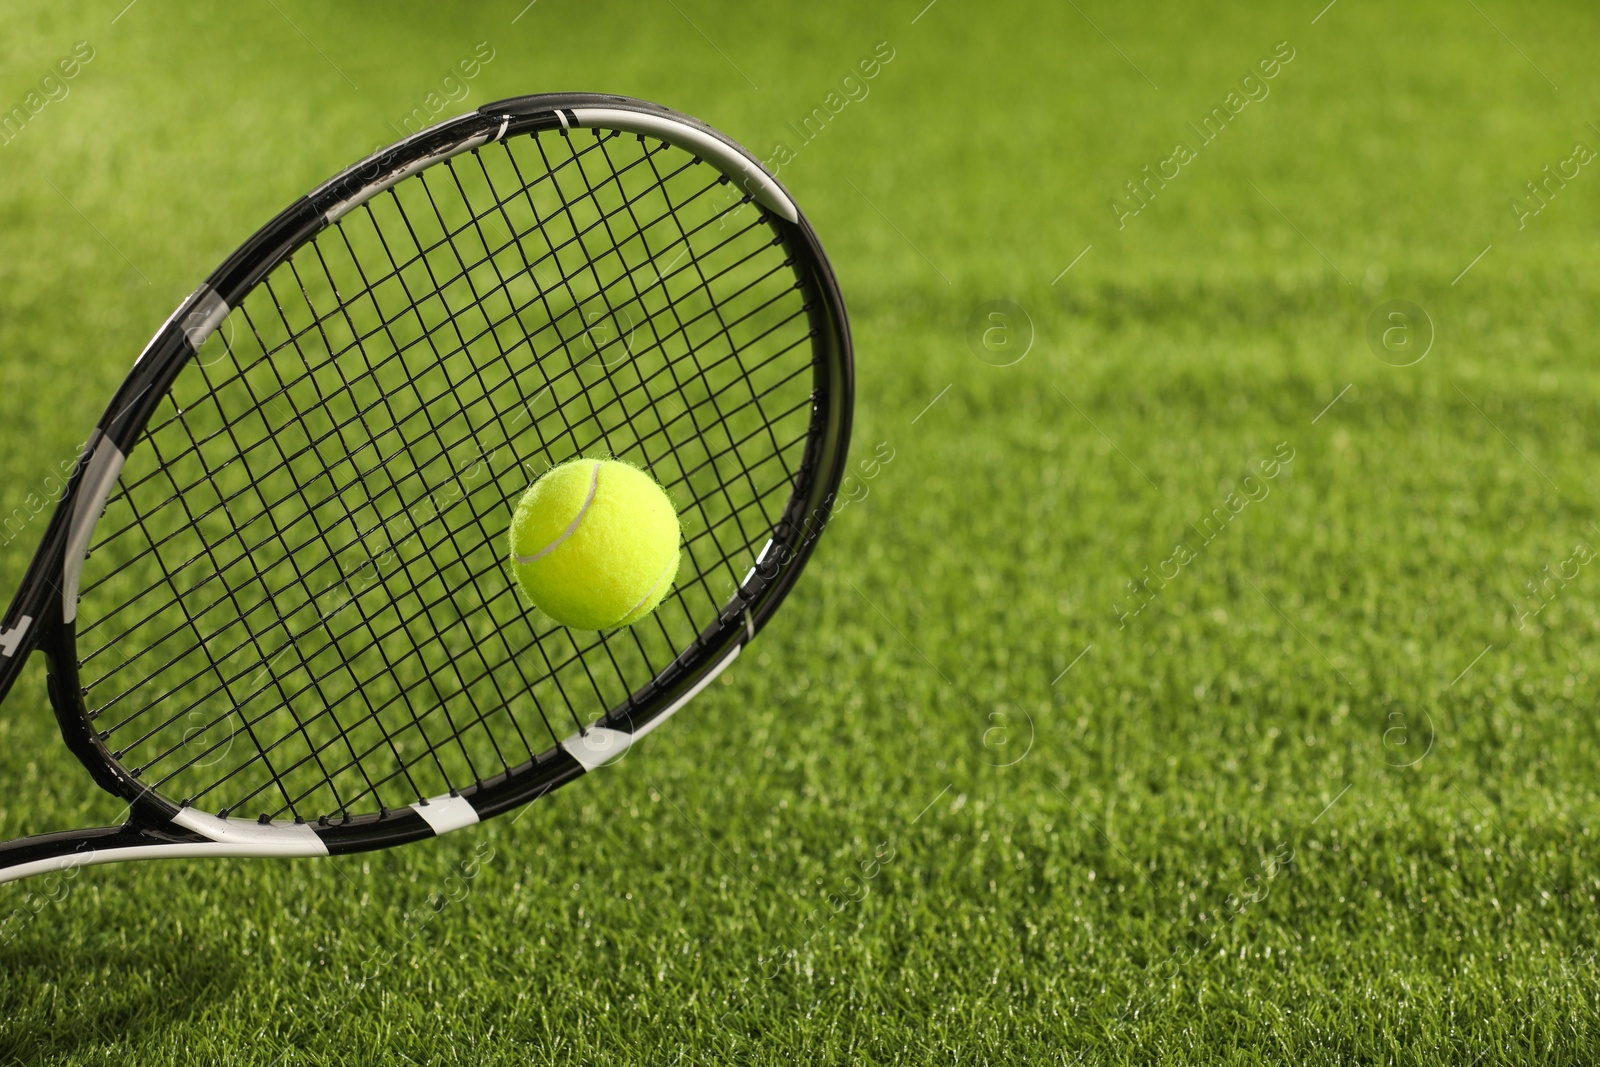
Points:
point(275, 598)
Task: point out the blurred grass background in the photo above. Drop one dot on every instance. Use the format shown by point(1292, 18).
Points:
point(1328, 799)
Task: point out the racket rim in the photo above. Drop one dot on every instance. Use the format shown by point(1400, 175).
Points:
point(45, 606)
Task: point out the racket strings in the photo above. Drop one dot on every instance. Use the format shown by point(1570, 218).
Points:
point(273, 653)
point(363, 364)
point(310, 446)
point(215, 573)
point(115, 640)
point(285, 386)
point(398, 355)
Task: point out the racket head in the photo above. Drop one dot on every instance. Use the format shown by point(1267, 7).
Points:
point(615, 188)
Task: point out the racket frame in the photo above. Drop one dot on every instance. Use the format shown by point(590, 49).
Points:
point(42, 614)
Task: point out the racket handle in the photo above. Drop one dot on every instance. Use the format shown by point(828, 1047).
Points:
point(70, 849)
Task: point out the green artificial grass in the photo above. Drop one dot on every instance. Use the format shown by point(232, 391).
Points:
point(1318, 792)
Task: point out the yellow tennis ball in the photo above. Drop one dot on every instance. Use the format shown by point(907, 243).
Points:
point(594, 544)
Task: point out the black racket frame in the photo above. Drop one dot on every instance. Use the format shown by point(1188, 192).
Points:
point(40, 599)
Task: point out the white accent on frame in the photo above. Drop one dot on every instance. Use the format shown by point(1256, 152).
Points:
point(745, 171)
point(179, 310)
point(601, 745)
point(10, 639)
point(253, 838)
point(105, 463)
point(598, 747)
point(209, 310)
point(367, 192)
point(710, 677)
point(446, 813)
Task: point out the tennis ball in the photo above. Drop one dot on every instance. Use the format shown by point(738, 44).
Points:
point(594, 544)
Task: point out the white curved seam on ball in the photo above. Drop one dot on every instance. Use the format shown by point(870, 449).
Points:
point(572, 527)
point(671, 565)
